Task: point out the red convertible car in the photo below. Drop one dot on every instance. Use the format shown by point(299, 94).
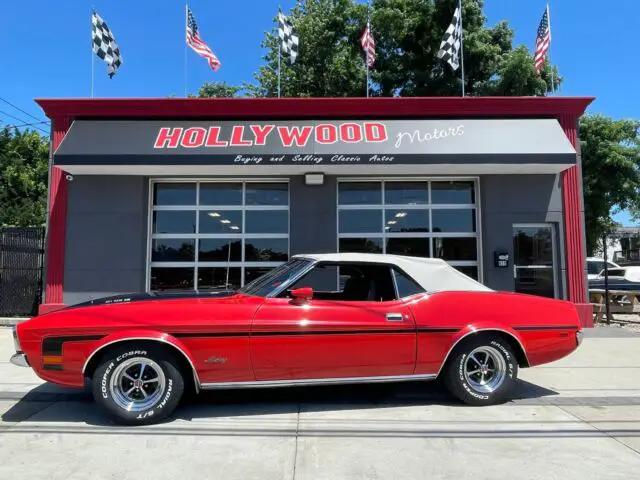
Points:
point(317, 319)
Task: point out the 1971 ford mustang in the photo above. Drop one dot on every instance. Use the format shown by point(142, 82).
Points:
point(317, 319)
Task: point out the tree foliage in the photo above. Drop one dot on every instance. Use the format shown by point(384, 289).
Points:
point(408, 35)
point(610, 151)
point(218, 90)
point(23, 177)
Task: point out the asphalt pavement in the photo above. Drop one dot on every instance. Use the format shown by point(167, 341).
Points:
point(578, 418)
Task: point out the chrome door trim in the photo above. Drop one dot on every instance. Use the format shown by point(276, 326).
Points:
point(394, 317)
point(315, 381)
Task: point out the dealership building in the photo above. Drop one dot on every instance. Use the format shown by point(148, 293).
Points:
point(164, 194)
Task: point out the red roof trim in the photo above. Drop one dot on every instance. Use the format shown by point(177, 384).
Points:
point(316, 107)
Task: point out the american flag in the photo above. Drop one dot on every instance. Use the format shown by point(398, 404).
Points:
point(369, 45)
point(543, 39)
point(196, 43)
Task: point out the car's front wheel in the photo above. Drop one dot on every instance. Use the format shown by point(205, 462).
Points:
point(138, 386)
point(482, 370)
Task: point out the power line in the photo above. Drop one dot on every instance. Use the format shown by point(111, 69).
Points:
point(18, 108)
point(20, 120)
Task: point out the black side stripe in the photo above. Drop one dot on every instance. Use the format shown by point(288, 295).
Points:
point(52, 346)
point(548, 327)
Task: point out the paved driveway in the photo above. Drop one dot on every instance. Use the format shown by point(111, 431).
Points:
point(574, 419)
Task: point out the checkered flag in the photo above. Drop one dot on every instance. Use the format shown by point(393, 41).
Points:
point(450, 46)
point(104, 45)
point(288, 37)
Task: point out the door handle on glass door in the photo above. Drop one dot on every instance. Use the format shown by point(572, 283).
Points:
point(394, 317)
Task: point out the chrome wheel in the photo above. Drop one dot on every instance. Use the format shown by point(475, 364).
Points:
point(485, 369)
point(137, 384)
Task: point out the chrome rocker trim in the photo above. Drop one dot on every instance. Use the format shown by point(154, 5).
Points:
point(315, 381)
point(19, 359)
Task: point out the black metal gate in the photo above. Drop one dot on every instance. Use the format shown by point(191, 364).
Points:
point(21, 267)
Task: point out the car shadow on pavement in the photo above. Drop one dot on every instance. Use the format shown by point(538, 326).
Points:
point(48, 403)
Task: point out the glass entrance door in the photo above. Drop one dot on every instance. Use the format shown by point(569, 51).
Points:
point(534, 259)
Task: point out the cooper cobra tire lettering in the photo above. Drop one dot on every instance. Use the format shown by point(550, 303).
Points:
point(454, 373)
point(167, 402)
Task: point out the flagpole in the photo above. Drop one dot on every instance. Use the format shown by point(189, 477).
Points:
point(186, 25)
point(91, 50)
point(553, 87)
point(279, 51)
point(461, 46)
point(366, 62)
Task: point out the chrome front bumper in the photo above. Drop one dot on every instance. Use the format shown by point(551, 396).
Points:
point(19, 359)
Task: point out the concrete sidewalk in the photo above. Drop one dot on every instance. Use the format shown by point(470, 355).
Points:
point(578, 418)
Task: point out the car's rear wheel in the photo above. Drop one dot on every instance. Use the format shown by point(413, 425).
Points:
point(138, 386)
point(482, 370)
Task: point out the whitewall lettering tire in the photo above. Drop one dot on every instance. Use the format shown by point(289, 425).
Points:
point(138, 386)
point(481, 370)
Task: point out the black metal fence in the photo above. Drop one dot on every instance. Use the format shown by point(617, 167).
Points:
point(21, 269)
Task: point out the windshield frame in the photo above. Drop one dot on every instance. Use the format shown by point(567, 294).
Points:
point(257, 285)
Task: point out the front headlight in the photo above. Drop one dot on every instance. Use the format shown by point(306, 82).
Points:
point(16, 341)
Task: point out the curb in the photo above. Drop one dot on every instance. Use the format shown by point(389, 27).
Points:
point(11, 321)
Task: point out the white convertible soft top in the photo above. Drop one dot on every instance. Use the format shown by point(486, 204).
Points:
point(432, 274)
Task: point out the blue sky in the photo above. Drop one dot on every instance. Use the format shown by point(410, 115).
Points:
point(45, 47)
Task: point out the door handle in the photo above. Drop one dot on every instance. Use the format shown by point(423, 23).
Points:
point(394, 317)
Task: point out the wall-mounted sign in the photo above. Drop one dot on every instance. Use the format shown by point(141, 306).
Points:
point(501, 259)
point(163, 142)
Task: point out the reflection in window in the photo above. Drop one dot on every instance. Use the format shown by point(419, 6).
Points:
point(173, 250)
point(406, 221)
point(174, 194)
point(220, 194)
point(208, 235)
point(171, 278)
point(453, 192)
point(359, 221)
point(220, 250)
point(406, 286)
point(360, 245)
point(219, 278)
point(174, 221)
point(421, 218)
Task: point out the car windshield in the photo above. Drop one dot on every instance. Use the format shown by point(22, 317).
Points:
point(273, 279)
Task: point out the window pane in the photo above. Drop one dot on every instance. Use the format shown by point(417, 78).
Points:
point(453, 192)
point(166, 278)
point(415, 247)
point(535, 281)
point(174, 194)
point(533, 246)
point(406, 286)
point(360, 245)
point(406, 221)
point(265, 221)
point(365, 193)
point(179, 221)
point(469, 271)
point(221, 221)
point(220, 194)
point(219, 249)
point(406, 193)
point(360, 221)
point(266, 250)
point(267, 193)
point(173, 250)
point(455, 248)
point(321, 278)
point(454, 220)
point(216, 278)
point(250, 274)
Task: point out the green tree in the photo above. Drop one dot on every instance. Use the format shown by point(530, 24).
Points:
point(218, 90)
point(23, 177)
point(610, 151)
point(408, 35)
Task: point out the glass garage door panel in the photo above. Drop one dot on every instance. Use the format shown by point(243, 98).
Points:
point(534, 260)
